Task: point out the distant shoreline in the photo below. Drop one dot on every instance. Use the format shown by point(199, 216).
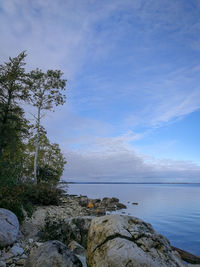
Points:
point(130, 183)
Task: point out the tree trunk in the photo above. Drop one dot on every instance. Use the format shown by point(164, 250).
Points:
point(37, 147)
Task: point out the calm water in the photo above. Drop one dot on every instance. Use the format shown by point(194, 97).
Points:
point(173, 210)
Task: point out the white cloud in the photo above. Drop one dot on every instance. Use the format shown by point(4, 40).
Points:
point(123, 164)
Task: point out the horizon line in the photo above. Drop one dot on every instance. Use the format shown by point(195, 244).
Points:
point(133, 183)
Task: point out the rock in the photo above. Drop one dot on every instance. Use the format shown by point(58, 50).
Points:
point(38, 244)
point(21, 262)
point(24, 256)
point(111, 204)
point(31, 227)
point(117, 240)
point(79, 251)
point(187, 256)
point(95, 201)
point(8, 255)
point(52, 253)
point(76, 248)
point(120, 206)
point(83, 201)
point(2, 263)
point(16, 250)
point(9, 227)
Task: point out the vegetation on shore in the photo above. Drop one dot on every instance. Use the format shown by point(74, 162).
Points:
point(30, 165)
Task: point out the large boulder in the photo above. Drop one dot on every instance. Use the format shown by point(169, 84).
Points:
point(117, 240)
point(9, 227)
point(52, 253)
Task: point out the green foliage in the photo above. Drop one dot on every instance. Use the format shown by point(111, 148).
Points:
point(50, 160)
point(12, 165)
point(47, 90)
point(23, 197)
point(17, 148)
point(43, 194)
point(54, 230)
point(13, 88)
point(64, 231)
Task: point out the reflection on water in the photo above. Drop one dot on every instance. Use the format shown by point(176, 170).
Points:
point(173, 210)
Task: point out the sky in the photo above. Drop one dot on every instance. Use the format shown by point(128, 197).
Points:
point(133, 94)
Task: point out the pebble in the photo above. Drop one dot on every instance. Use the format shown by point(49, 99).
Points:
point(21, 262)
point(16, 250)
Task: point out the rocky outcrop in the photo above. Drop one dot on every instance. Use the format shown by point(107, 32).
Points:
point(9, 227)
point(100, 206)
point(70, 207)
point(117, 240)
point(52, 253)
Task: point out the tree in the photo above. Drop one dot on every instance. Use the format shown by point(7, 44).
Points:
point(13, 89)
point(50, 159)
point(47, 91)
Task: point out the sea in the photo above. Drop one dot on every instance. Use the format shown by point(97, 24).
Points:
point(172, 209)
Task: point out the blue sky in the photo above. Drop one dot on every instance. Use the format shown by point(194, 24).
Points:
point(133, 94)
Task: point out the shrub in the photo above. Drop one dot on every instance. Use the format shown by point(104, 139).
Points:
point(22, 198)
point(57, 230)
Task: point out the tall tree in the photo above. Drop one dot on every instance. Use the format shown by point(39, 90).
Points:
point(13, 89)
point(47, 91)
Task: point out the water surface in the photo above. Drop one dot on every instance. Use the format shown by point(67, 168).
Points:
point(173, 210)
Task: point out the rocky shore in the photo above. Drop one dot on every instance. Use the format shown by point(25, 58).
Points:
point(79, 232)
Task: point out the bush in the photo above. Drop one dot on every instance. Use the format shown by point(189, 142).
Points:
point(43, 194)
point(22, 198)
point(56, 230)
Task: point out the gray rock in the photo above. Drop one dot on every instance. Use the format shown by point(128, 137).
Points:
point(21, 262)
point(83, 201)
point(2, 263)
point(52, 254)
point(117, 240)
point(76, 248)
point(83, 260)
point(9, 227)
point(16, 250)
point(79, 251)
point(8, 255)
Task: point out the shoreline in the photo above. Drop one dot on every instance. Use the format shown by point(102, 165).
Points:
point(76, 212)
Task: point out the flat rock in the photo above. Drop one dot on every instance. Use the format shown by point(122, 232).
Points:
point(118, 240)
point(9, 227)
